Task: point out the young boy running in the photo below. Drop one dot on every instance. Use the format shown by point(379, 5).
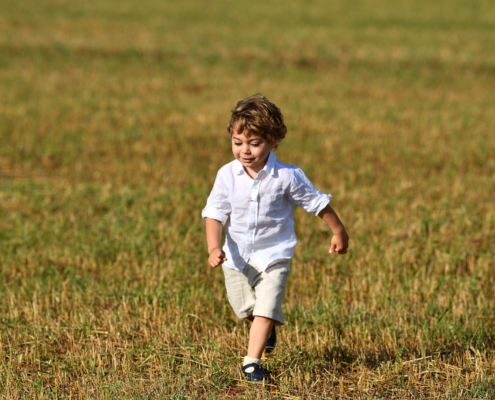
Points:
point(259, 194)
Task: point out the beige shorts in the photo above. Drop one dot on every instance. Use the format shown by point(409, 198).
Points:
point(255, 293)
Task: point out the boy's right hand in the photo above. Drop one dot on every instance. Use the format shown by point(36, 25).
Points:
point(217, 257)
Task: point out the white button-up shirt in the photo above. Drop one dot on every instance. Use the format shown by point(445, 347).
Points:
point(261, 211)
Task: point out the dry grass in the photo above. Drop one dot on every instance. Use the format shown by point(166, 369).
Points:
point(112, 127)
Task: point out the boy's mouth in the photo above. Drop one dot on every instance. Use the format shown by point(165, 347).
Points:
point(246, 159)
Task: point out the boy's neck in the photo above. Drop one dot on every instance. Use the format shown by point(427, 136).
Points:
point(253, 174)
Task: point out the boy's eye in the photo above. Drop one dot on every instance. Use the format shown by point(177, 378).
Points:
point(237, 144)
point(255, 144)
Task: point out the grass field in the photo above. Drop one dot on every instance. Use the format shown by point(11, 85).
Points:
point(112, 128)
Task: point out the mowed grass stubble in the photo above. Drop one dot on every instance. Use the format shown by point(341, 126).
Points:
point(112, 128)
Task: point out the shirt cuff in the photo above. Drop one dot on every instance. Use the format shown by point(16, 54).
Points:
point(212, 213)
point(322, 203)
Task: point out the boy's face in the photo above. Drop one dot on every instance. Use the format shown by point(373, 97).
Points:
point(252, 151)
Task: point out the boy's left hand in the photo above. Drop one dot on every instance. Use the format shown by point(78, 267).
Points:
point(339, 243)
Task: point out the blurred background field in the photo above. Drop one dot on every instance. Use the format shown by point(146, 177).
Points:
point(112, 128)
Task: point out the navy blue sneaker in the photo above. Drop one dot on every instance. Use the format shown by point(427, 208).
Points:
point(255, 373)
point(271, 342)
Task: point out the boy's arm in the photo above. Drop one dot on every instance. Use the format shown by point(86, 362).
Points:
point(340, 239)
point(213, 238)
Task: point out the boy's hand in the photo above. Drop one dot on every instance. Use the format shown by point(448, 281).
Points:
point(217, 257)
point(340, 239)
point(339, 243)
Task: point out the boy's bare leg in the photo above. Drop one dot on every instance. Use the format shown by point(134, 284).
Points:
point(258, 335)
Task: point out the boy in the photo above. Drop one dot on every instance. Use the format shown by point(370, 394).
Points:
point(259, 194)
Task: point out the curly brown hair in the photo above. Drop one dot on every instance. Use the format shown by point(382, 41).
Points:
point(258, 115)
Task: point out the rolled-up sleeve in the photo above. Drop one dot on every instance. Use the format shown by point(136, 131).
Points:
point(217, 205)
point(305, 195)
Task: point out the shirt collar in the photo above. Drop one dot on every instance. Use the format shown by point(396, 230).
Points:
point(269, 167)
point(238, 168)
point(270, 164)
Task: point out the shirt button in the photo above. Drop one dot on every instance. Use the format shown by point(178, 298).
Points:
point(250, 231)
point(253, 211)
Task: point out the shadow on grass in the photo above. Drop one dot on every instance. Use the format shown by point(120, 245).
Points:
point(346, 359)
